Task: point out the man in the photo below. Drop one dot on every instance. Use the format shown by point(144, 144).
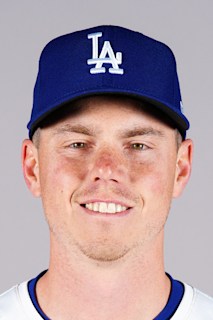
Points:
point(107, 154)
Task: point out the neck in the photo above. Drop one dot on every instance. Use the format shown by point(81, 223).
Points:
point(134, 287)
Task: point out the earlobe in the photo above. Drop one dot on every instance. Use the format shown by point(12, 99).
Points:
point(30, 167)
point(183, 167)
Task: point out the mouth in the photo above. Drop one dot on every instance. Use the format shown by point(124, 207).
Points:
point(105, 207)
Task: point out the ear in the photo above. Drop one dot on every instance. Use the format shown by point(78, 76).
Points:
point(183, 167)
point(30, 166)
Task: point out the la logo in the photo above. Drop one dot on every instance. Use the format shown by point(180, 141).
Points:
point(107, 55)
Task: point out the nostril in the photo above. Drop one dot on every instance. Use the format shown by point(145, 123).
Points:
point(104, 178)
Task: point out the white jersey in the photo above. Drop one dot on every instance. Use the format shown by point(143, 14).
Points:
point(15, 304)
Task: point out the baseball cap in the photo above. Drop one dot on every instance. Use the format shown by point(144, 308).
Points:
point(107, 60)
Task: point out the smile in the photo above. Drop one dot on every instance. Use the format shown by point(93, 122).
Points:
point(105, 207)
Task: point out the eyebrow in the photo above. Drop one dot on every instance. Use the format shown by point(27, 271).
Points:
point(141, 131)
point(69, 128)
point(124, 133)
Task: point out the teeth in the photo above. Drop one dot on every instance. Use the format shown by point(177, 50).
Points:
point(111, 208)
point(119, 208)
point(94, 206)
point(89, 206)
point(105, 207)
point(102, 207)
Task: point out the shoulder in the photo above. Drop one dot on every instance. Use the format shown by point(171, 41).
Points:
point(10, 306)
point(203, 305)
point(16, 304)
point(195, 305)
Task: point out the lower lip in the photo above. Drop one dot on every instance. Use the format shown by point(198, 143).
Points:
point(104, 214)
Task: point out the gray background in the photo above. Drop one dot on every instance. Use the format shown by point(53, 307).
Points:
point(25, 27)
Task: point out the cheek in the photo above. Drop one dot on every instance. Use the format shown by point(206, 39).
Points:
point(61, 175)
point(156, 177)
point(70, 169)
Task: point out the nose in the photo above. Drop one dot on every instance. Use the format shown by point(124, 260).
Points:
point(107, 166)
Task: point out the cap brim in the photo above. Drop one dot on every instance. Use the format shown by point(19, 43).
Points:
point(178, 118)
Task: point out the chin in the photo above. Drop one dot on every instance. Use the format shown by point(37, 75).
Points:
point(104, 252)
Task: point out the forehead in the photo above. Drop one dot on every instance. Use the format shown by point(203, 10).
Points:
point(100, 107)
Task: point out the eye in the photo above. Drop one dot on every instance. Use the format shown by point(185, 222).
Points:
point(138, 146)
point(78, 145)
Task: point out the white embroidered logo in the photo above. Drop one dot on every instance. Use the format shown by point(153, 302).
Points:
point(107, 55)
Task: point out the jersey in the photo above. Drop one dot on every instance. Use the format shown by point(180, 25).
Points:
point(17, 304)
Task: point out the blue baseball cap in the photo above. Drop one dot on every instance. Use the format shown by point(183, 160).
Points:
point(107, 60)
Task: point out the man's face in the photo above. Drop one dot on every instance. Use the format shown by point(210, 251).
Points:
point(106, 175)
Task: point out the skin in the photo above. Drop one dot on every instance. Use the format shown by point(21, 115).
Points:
point(109, 150)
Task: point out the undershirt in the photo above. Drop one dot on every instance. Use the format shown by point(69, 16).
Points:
point(175, 297)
